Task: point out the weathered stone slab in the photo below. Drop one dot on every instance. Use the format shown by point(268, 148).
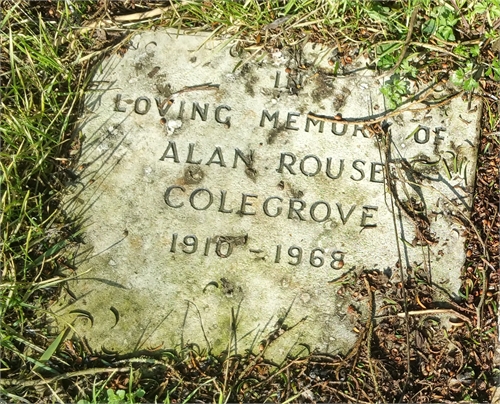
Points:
point(218, 200)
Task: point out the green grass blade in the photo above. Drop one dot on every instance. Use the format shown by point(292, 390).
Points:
point(52, 348)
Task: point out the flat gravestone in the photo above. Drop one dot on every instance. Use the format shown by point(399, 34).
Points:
point(221, 194)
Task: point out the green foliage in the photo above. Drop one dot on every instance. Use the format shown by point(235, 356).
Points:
point(444, 18)
point(389, 17)
point(467, 51)
point(490, 8)
point(464, 77)
point(121, 396)
point(116, 397)
point(394, 90)
point(387, 55)
point(407, 69)
point(494, 70)
point(40, 88)
point(49, 352)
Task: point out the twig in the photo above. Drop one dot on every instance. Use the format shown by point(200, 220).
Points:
point(279, 371)
point(64, 376)
point(355, 349)
point(146, 14)
point(480, 305)
point(387, 157)
point(457, 9)
point(354, 400)
point(142, 360)
point(205, 86)
point(141, 16)
point(369, 327)
point(388, 114)
point(438, 49)
point(268, 341)
point(406, 43)
point(436, 311)
point(479, 308)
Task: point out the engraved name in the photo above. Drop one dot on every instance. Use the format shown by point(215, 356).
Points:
point(201, 199)
point(287, 163)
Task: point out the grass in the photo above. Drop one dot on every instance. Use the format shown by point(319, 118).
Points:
point(47, 51)
point(41, 90)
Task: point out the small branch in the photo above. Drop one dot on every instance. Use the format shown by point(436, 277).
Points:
point(205, 86)
point(407, 42)
point(457, 9)
point(479, 308)
point(430, 312)
point(369, 327)
point(439, 49)
point(64, 376)
point(141, 16)
point(388, 114)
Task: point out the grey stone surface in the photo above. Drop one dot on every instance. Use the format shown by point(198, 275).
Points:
point(214, 211)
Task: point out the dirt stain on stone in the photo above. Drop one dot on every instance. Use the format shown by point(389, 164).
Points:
point(323, 88)
point(340, 98)
point(193, 175)
point(273, 134)
point(155, 70)
point(164, 89)
point(250, 79)
point(249, 85)
point(251, 173)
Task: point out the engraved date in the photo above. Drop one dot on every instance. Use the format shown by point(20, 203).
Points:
point(316, 257)
point(224, 246)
